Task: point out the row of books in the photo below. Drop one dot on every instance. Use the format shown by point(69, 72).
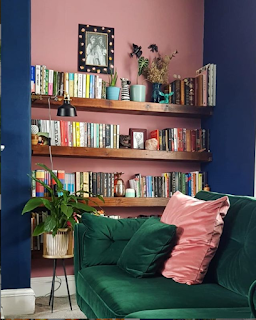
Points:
point(92, 183)
point(36, 219)
point(182, 139)
point(196, 91)
point(167, 184)
point(51, 82)
point(80, 134)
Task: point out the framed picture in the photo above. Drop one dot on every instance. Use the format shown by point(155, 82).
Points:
point(95, 49)
point(138, 138)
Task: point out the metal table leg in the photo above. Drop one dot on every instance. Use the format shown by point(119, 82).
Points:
point(51, 300)
point(64, 268)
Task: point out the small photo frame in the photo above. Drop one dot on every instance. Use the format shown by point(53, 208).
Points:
point(95, 49)
point(138, 138)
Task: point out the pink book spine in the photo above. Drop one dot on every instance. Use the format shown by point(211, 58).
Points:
point(50, 83)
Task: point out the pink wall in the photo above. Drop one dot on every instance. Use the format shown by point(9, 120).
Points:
point(171, 24)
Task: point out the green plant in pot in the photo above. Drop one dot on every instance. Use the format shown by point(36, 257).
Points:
point(65, 209)
point(112, 90)
point(138, 91)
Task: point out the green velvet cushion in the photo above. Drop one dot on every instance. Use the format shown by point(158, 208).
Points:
point(234, 264)
point(148, 248)
point(104, 239)
point(113, 293)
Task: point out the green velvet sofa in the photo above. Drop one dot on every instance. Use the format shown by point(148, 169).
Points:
point(105, 291)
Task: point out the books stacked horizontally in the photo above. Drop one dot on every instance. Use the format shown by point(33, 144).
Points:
point(182, 139)
point(51, 82)
point(196, 91)
point(80, 134)
point(92, 183)
point(167, 184)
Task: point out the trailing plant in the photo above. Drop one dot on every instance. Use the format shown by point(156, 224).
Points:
point(64, 208)
point(112, 79)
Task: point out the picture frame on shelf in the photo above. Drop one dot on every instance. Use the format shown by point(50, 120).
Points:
point(95, 49)
point(138, 138)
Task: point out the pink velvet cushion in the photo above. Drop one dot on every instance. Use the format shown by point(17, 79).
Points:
point(199, 227)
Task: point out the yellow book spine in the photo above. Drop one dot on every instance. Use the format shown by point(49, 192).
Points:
point(87, 94)
point(78, 134)
point(200, 181)
point(74, 134)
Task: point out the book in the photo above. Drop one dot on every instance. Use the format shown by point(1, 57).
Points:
point(75, 85)
point(32, 78)
point(80, 86)
point(55, 83)
point(38, 79)
point(87, 86)
point(66, 83)
point(50, 83)
point(71, 84)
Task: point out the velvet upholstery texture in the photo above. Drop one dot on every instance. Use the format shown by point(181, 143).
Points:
point(234, 265)
point(112, 293)
point(145, 253)
point(104, 239)
point(199, 228)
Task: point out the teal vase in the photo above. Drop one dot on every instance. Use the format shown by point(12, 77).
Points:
point(155, 92)
point(138, 93)
point(113, 93)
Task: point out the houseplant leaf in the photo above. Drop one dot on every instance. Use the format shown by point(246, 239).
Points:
point(83, 207)
point(32, 204)
point(68, 211)
point(142, 64)
point(39, 229)
point(50, 223)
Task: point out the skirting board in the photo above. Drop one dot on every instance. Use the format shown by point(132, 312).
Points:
point(42, 286)
point(18, 301)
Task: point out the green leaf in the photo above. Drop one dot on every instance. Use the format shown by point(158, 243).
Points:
point(72, 221)
point(101, 198)
point(50, 223)
point(32, 204)
point(83, 207)
point(53, 176)
point(142, 64)
point(72, 197)
point(68, 211)
point(47, 203)
point(39, 229)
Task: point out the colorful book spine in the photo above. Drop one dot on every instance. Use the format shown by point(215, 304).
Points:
point(50, 83)
point(87, 86)
point(33, 78)
point(80, 86)
point(91, 86)
point(78, 134)
point(46, 81)
point(39, 188)
point(66, 83)
point(38, 79)
point(55, 83)
point(71, 84)
point(75, 85)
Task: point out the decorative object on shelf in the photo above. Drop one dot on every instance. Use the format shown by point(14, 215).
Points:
point(156, 97)
point(138, 92)
point(166, 96)
point(119, 187)
point(130, 193)
point(124, 141)
point(43, 139)
point(138, 137)
point(125, 94)
point(34, 136)
point(151, 144)
point(95, 49)
point(113, 91)
point(64, 210)
point(207, 188)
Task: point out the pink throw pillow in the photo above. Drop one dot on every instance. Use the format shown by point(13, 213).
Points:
point(199, 228)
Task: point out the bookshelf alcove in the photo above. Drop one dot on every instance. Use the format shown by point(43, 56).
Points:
point(126, 107)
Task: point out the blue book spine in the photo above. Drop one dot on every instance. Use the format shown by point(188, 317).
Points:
point(147, 187)
point(150, 187)
point(91, 94)
point(32, 78)
point(189, 184)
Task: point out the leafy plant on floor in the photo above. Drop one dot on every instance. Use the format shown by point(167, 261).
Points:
point(65, 208)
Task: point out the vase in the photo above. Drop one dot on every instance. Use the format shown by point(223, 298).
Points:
point(138, 93)
point(113, 93)
point(57, 246)
point(119, 187)
point(155, 92)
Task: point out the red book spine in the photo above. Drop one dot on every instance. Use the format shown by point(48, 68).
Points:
point(155, 134)
point(62, 133)
point(180, 139)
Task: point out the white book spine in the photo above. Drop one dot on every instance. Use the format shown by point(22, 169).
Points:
point(96, 87)
point(100, 88)
point(95, 135)
point(117, 135)
point(84, 85)
point(59, 135)
point(85, 134)
point(81, 134)
point(175, 132)
point(38, 79)
point(51, 135)
point(75, 85)
point(43, 79)
point(80, 85)
point(214, 86)
point(112, 136)
point(211, 84)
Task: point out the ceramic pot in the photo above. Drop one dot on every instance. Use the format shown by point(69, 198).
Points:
point(138, 93)
point(57, 246)
point(156, 87)
point(119, 187)
point(113, 93)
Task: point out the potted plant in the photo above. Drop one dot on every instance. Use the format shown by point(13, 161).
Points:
point(112, 90)
point(64, 212)
point(138, 91)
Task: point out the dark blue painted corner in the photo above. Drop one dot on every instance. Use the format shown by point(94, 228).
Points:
point(229, 41)
point(15, 132)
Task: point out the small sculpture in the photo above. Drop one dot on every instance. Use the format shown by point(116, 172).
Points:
point(136, 51)
point(151, 144)
point(44, 139)
point(34, 136)
point(124, 141)
point(153, 48)
point(125, 94)
point(166, 96)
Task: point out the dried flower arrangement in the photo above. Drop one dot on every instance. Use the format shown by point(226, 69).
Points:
point(157, 71)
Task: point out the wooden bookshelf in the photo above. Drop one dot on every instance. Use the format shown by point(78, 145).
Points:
point(127, 107)
point(125, 154)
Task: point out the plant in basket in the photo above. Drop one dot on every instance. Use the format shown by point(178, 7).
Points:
point(65, 209)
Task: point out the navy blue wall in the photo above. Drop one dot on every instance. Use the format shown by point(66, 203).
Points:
point(15, 159)
point(229, 41)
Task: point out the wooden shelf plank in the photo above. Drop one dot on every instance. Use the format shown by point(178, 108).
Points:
point(126, 154)
point(127, 107)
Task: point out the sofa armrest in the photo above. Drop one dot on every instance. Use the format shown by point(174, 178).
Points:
point(251, 293)
point(78, 247)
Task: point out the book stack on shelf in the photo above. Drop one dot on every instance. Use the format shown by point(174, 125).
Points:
point(195, 91)
point(80, 134)
point(50, 82)
point(167, 184)
point(182, 139)
point(92, 182)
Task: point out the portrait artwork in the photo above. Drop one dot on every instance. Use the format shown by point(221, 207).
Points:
point(138, 137)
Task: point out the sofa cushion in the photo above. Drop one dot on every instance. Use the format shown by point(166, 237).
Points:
point(148, 248)
point(199, 228)
point(105, 238)
point(112, 293)
point(234, 265)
